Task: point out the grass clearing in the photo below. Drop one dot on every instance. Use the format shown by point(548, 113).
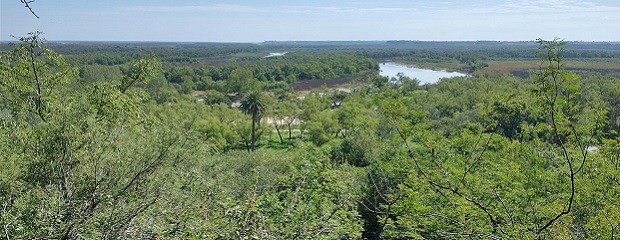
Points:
point(523, 67)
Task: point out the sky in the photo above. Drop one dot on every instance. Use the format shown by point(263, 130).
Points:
point(312, 20)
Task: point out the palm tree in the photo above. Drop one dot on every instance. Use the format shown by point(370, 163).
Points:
point(253, 103)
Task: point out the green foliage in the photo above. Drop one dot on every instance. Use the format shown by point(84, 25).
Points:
point(349, 152)
point(84, 164)
point(479, 185)
point(140, 72)
point(101, 153)
point(260, 195)
point(322, 127)
point(31, 75)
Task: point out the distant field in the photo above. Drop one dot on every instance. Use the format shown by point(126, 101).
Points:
point(522, 68)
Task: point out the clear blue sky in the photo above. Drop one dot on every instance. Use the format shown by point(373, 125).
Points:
point(262, 20)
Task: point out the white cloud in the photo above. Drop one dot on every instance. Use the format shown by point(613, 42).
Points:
point(505, 7)
point(252, 9)
point(201, 8)
point(333, 9)
point(545, 6)
point(362, 10)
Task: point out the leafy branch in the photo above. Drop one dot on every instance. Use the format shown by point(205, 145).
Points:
point(456, 191)
point(552, 80)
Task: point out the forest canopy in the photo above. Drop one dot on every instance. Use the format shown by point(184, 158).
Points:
point(212, 142)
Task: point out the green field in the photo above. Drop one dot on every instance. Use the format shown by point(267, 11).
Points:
point(525, 66)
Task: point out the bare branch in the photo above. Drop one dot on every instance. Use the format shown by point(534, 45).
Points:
point(582, 148)
point(27, 5)
point(477, 160)
point(508, 212)
point(494, 223)
point(33, 45)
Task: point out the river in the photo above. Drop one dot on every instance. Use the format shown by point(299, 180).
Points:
point(391, 69)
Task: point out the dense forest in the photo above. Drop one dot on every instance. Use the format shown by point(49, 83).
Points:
point(211, 141)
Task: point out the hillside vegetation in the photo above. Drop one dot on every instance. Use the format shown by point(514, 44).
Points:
point(109, 145)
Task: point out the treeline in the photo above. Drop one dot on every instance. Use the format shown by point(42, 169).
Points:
point(525, 53)
point(111, 53)
point(274, 73)
point(472, 60)
point(289, 69)
point(104, 53)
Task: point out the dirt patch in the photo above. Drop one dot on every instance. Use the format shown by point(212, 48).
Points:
point(306, 85)
point(318, 83)
point(521, 73)
point(198, 93)
point(214, 62)
point(595, 70)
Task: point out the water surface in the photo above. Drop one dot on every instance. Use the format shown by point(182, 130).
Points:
point(391, 69)
point(276, 54)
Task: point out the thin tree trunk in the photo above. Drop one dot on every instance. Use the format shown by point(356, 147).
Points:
point(253, 130)
point(247, 146)
point(279, 134)
point(290, 132)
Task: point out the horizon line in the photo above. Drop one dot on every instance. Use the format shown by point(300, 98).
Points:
point(301, 41)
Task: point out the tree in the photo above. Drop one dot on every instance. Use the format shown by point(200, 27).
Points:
point(32, 76)
point(558, 89)
point(254, 104)
point(284, 112)
point(81, 161)
point(312, 104)
point(241, 81)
